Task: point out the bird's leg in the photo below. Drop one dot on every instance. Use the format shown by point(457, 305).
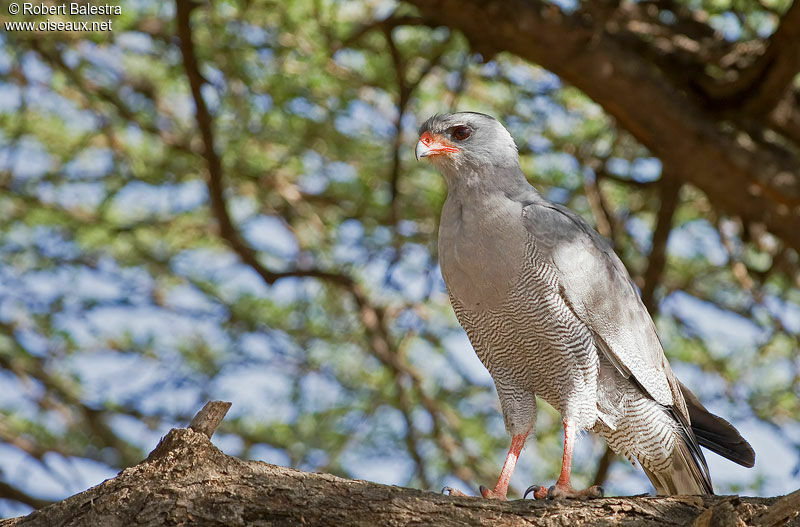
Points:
point(563, 487)
point(501, 489)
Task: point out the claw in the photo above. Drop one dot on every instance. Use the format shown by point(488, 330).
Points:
point(450, 491)
point(539, 493)
point(491, 494)
point(532, 488)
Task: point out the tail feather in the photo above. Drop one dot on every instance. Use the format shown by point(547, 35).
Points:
point(666, 440)
point(717, 434)
point(684, 476)
point(688, 473)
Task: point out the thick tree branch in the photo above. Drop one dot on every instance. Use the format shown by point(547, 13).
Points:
point(677, 125)
point(188, 481)
point(9, 492)
point(781, 511)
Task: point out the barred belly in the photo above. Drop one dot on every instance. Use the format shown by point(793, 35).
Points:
point(532, 343)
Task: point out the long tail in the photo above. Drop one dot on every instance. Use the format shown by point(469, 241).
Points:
point(688, 471)
point(717, 434)
point(661, 440)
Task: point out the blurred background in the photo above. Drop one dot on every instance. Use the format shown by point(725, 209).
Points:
point(221, 201)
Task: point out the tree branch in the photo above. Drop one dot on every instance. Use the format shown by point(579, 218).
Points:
point(9, 492)
point(188, 481)
point(759, 87)
point(214, 182)
point(603, 466)
point(387, 24)
point(781, 511)
point(380, 342)
point(208, 419)
point(670, 188)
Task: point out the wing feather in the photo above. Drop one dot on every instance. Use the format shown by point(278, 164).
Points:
point(596, 285)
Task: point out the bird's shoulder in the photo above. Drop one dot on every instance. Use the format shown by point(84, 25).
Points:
point(556, 226)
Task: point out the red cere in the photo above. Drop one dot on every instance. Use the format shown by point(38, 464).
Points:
point(437, 144)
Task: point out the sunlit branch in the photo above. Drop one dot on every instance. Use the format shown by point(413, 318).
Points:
point(214, 182)
point(670, 190)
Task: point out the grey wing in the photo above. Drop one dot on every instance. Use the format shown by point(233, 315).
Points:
point(597, 287)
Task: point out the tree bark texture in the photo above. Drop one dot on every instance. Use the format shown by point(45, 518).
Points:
point(186, 480)
point(721, 136)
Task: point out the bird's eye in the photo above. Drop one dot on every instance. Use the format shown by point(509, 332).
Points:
point(461, 132)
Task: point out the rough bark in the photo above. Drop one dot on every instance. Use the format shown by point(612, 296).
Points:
point(652, 78)
point(186, 480)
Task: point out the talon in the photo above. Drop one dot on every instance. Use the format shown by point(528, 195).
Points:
point(452, 492)
point(492, 494)
point(599, 490)
point(539, 492)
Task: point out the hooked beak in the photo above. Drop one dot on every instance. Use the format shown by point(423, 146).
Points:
point(432, 145)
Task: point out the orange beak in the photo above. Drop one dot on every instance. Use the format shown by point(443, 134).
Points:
point(433, 145)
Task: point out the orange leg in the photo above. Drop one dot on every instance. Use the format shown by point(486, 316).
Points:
point(501, 489)
point(566, 461)
point(563, 487)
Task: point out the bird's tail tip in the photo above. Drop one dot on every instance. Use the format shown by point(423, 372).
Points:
point(717, 434)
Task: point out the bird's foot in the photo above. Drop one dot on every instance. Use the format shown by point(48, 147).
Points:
point(490, 494)
point(559, 491)
point(450, 491)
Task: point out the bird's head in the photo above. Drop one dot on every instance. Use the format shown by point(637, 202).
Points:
point(466, 141)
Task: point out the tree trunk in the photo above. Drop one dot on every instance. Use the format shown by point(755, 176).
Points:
point(186, 480)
